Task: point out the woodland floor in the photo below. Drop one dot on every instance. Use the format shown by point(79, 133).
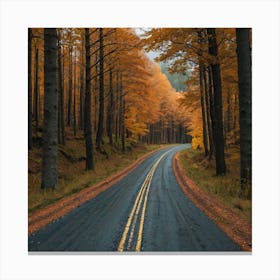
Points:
point(72, 176)
point(224, 188)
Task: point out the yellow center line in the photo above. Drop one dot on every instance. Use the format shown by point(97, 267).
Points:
point(136, 217)
point(126, 229)
point(144, 191)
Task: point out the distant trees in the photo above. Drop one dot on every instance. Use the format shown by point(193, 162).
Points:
point(218, 95)
point(245, 107)
point(49, 158)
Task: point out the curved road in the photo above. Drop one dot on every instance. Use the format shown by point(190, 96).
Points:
point(145, 211)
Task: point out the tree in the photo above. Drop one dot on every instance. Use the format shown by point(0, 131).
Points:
point(110, 113)
point(69, 116)
point(88, 128)
point(49, 161)
point(61, 120)
point(36, 93)
point(245, 106)
point(30, 144)
point(99, 135)
point(218, 103)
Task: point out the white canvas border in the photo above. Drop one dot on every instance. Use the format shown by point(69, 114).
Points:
point(262, 16)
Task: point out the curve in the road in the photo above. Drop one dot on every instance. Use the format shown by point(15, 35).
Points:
point(163, 219)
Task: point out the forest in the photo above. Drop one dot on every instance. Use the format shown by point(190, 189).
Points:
point(95, 97)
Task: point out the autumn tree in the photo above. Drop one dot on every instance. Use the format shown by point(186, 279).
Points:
point(99, 135)
point(88, 128)
point(245, 106)
point(49, 159)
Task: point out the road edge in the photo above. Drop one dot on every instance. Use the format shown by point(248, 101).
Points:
point(42, 217)
point(239, 230)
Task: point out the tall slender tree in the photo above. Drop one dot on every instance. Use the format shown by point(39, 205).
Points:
point(88, 128)
point(245, 106)
point(49, 162)
point(36, 93)
point(70, 86)
point(74, 93)
point(202, 96)
point(110, 112)
point(61, 120)
point(218, 104)
point(30, 144)
point(99, 134)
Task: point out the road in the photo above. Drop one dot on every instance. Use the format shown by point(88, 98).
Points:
point(145, 211)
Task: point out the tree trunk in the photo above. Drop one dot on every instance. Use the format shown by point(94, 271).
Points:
point(59, 88)
point(74, 93)
point(88, 129)
point(99, 134)
point(81, 112)
point(218, 104)
point(69, 122)
point(36, 94)
point(96, 89)
point(208, 98)
point(62, 118)
point(117, 109)
point(245, 106)
point(228, 111)
point(110, 109)
point(122, 117)
point(202, 96)
point(49, 161)
point(30, 142)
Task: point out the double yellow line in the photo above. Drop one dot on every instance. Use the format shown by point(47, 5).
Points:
point(141, 199)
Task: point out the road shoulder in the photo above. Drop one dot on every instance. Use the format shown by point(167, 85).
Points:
point(235, 227)
point(42, 217)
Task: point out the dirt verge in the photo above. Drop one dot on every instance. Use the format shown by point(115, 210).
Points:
point(42, 217)
point(235, 227)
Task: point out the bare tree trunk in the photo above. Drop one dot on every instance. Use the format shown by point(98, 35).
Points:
point(49, 161)
point(88, 129)
point(208, 97)
point(81, 113)
point(59, 89)
point(117, 109)
point(74, 93)
point(30, 142)
point(69, 121)
point(218, 104)
point(245, 107)
point(99, 134)
point(203, 110)
point(228, 111)
point(96, 89)
point(61, 73)
point(202, 96)
point(62, 117)
point(122, 116)
point(110, 108)
point(36, 94)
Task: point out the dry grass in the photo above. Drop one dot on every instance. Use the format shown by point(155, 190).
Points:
point(72, 176)
point(224, 188)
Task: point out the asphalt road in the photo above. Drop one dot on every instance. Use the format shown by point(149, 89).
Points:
point(145, 211)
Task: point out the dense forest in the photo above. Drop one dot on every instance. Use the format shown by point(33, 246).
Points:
point(98, 85)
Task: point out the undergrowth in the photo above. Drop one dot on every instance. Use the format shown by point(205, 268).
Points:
point(72, 176)
point(224, 188)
